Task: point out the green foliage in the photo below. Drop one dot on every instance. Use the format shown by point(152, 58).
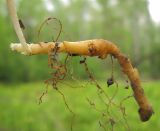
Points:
point(19, 109)
point(126, 23)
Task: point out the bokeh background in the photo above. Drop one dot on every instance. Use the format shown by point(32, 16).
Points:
point(127, 23)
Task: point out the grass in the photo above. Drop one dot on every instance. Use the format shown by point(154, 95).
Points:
point(20, 111)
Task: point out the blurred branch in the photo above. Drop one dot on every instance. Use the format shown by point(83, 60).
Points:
point(144, 58)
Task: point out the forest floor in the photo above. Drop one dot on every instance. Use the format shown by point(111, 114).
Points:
point(20, 111)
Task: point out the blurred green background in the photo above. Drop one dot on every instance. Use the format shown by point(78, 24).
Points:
point(127, 23)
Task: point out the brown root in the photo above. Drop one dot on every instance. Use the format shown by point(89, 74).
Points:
point(145, 109)
point(100, 48)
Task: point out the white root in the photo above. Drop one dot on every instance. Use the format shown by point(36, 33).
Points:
point(17, 28)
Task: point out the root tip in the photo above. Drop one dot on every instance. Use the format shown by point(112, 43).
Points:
point(145, 114)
